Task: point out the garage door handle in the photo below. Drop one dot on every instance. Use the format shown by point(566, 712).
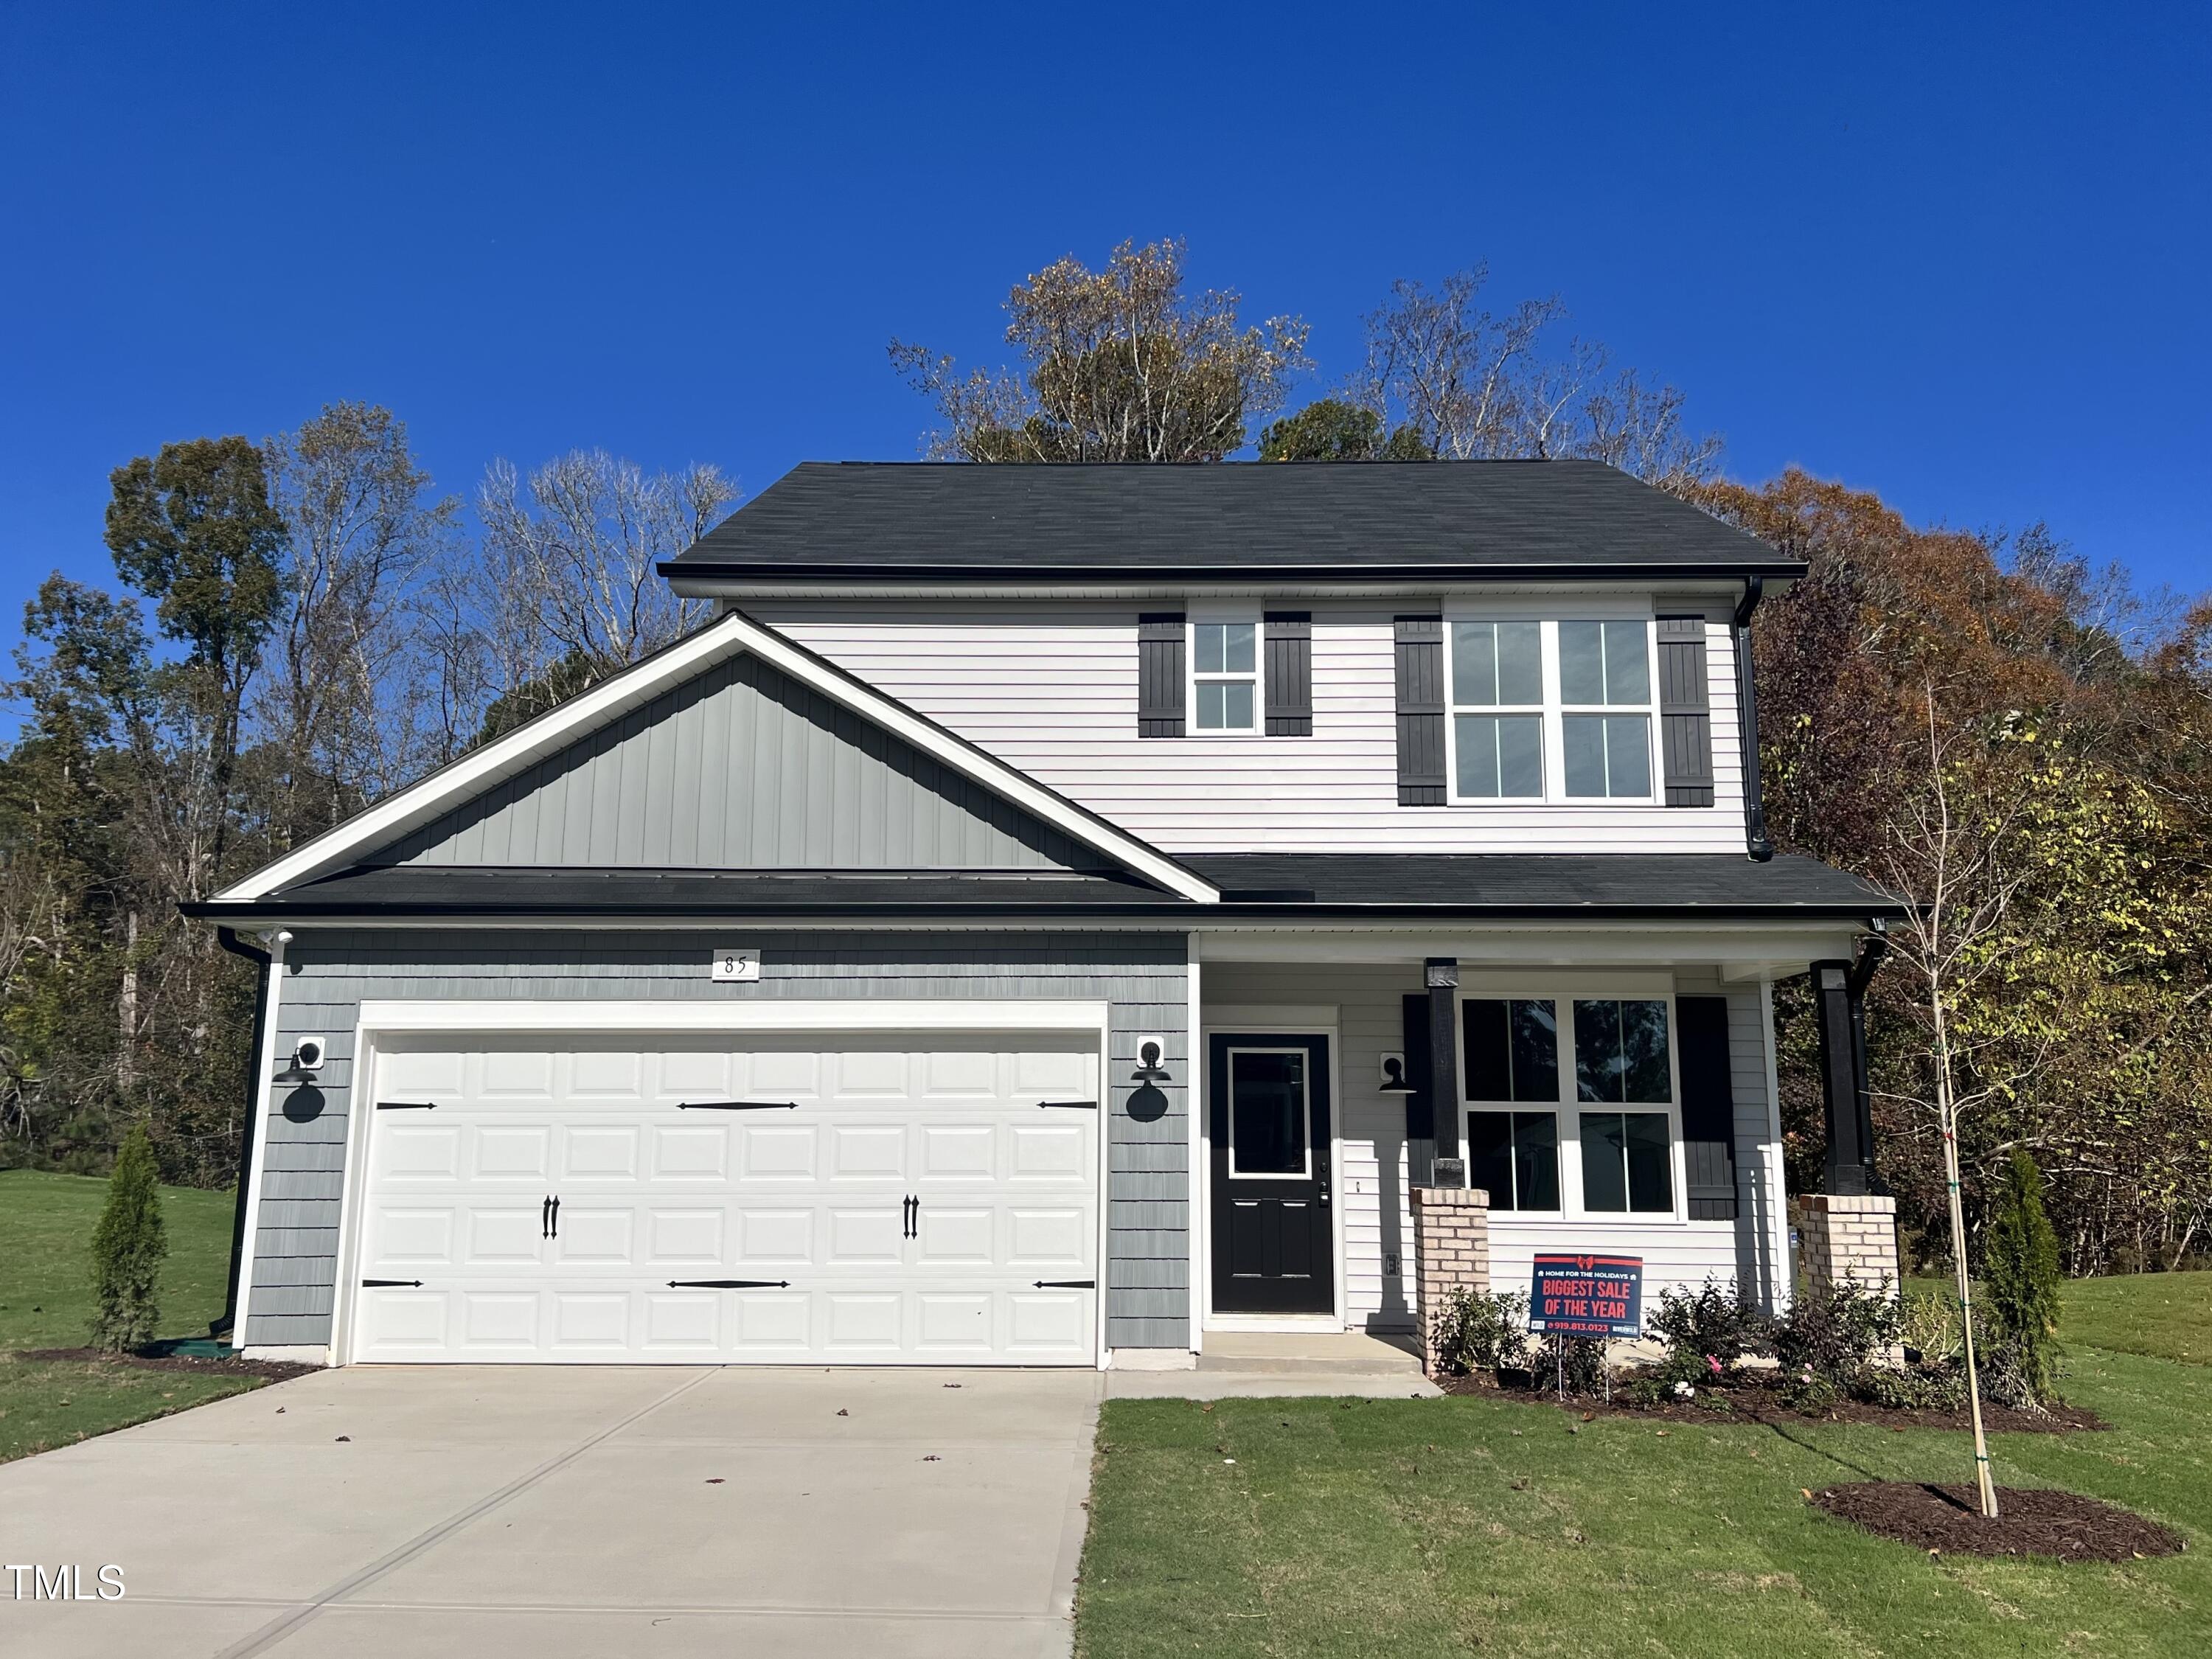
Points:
point(1067, 1105)
point(737, 1106)
point(406, 1105)
point(1066, 1284)
point(391, 1284)
point(729, 1284)
point(545, 1217)
point(556, 1219)
point(913, 1208)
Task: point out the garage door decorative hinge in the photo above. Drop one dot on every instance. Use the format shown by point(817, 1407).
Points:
point(1066, 1284)
point(1067, 1105)
point(391, 1284)
point(729, 1284)
point(406, 1105)
point(737, 1106)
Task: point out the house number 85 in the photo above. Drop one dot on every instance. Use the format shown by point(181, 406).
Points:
point(736, 962)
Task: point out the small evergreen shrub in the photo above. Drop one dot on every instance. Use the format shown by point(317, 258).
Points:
point(2021, 1281)
point(1482, 1331)
point(127, 1247)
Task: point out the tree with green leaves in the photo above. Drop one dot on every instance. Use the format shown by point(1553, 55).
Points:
point(1120, 365)
point(127, 1250)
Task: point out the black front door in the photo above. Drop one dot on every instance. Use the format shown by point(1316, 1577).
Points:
point(1273, 1250)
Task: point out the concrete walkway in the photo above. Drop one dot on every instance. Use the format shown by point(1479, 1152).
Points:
point(571, 1512)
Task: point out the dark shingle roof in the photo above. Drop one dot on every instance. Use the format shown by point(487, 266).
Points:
point(1345, 521)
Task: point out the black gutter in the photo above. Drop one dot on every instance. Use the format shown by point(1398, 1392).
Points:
point(786, 573)
point(1757, 842)
point(228, 939)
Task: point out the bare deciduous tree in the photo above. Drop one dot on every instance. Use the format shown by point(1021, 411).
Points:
point(1121, 366)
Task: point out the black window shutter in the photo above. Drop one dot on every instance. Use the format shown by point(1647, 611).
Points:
point(1686, 720)
point(1708, 1107)
point(1420, 653)
point(1289, 673)
point(1421, 1104)
point(1159, 674)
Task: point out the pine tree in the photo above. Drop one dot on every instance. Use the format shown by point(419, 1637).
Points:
point(2021, 1270)
point(127, 1247)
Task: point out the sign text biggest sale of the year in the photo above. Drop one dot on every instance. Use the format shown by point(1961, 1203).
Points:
point(1577, 1295)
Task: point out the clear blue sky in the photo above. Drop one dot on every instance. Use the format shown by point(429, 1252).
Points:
point(1958, 255)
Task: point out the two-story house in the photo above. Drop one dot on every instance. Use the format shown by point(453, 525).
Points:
point(1052, 913)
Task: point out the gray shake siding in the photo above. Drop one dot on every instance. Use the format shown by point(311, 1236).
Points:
point(328, 973)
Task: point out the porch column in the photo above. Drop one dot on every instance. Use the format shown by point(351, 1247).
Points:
point(1850, 1132)
point(1442, 977)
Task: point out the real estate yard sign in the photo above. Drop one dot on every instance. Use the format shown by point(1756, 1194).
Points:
point(1600, 1296)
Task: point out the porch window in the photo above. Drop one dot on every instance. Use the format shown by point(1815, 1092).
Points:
point(1621, 1054)
point(1626, 1163)
point(1512, 1054)
point(1515, 1156)
point(1224, 659)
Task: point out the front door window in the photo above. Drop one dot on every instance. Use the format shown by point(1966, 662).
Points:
point(1268, 1113)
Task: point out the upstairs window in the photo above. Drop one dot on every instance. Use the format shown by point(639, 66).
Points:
point(1497, 668)
point(1225, 676)
point(1549, 710)
point(1605, 700)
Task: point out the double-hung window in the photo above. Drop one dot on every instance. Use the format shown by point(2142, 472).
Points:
point(1621, 1059)
point(1497, 710)
point(1225, 676)
point(1550, 710)
point(1573, 1116)
point(1605, 709)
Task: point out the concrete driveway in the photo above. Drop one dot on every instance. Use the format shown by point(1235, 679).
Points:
point(561, 1511)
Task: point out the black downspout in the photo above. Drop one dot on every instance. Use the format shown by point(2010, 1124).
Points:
point(228, 939)
point(1756, 840)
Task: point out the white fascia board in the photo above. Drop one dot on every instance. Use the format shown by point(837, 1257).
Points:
point(420, 802)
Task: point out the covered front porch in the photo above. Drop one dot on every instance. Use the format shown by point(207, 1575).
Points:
point(1611, 1087)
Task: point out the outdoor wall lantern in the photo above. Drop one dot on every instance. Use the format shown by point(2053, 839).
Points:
point(1393, 1076)
point(1149, 1069)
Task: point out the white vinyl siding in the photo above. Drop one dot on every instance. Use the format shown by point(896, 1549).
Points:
point(1051, 688)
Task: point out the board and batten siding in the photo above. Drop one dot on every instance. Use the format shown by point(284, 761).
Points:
point(328, 974)
point(741, 768)
point(1751, 1251)
point(1051, 688)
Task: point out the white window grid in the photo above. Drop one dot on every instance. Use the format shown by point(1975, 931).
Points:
point(1555, 709)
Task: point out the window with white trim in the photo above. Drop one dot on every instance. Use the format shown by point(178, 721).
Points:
point(1572, 1119)
point(1225, 676)
point(1544, 709)
point(1605, 709)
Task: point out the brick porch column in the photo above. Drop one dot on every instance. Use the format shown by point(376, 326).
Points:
point(1451, 1251)
point(1848, 1235)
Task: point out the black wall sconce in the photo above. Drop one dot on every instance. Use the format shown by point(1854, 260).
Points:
point(1149, 1068)
point(1393, 1076)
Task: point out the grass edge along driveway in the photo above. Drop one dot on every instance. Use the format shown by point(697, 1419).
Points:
point(46, 1223)
point(1498, 1527)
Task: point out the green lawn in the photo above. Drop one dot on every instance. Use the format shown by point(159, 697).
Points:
point(1478, 1526)
point(46, 1301)
point(2168, 1315)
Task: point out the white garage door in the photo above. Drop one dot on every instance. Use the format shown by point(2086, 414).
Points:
point(906, 1200)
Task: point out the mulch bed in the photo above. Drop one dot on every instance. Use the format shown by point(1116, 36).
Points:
point(2031, 1520)
point(1749, 1403)
point(270, 1371)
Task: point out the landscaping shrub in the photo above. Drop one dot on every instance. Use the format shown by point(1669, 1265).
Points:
point(127, 1247)
point(2020, 1282)
point(1705, 1333)
point(1828, 1344)
point(1576, 1363)
point(1482, 1331)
